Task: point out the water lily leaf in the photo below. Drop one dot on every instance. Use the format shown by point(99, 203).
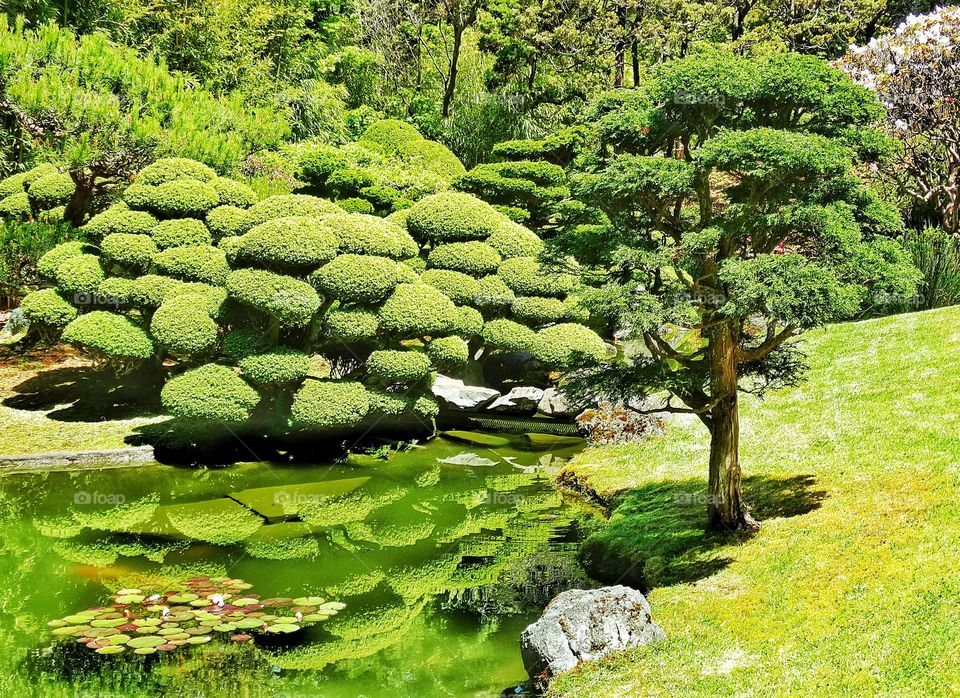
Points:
point(180, 616)
point(182, 598)
point(130, 598)
point(166, 648)
point(199, 640)
point(244, 602)
point(57, 623)
point(101, 632)
point(283, 628)
point(142, 622)
point(249, 623)
point(145, 650)
point(124, 592)
point(241, 637)
point(80, 618)
point(148, 641)
point(118, 639)
point(175, 630)
point(332, 606)
point(108, 622)
point(110, 649)
point(70, 629)
point(308, 601)
point(146, 630)
point(225, 627)
point(316, 617)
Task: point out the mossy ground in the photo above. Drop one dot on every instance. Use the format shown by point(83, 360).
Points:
point(852, 585)
point(51, 400)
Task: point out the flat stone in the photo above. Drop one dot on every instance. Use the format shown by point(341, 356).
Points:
point(554, 404)
point(524, 400)
point(455, 394)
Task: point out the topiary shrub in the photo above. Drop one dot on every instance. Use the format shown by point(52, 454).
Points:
point(418, 310)
point(388, 367)
point(129, 250)
point(473, 258)
point(470, 322)
point(18, 183)
point(349, 181)
point(169, 169)
point(228, 221)
point(396, 138)
point(287, 205)
point(539, 311)
point(115, 336)
point(426, 407)
point(183, 326)
point(361, 234)
point(48, 263)
point(179, 198)
point(564, 345)
point(117, 289)
point(493, 294)
point(51, 190)
point(448, 353)
point(150, 290)
point(330, 404)
point(233, 193)
point(509, 335)
point(293, 303)
point(79, 275)
point(527, 277)
point(294, 243)
point(281, 366)
point(231, 248)
point(202, 263)
point(180, 232)
point(119, 219)
point(212, 393)
point(387, 404)
point(356, 205)
point(364, 279)
point(243, 342)
point(47, 307)
point(457, 286)
point(16, 206)
point(385, 199)
point(512, 240)
point(452, 216)
point(351, 325)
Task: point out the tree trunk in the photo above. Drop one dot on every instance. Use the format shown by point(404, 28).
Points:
point(635, 63)
point(451, 85)
point(620, 53)
point(725, 509)
point(76, 209)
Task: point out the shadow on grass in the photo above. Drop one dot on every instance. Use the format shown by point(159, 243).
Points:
point(82, 394)
point(657, 534)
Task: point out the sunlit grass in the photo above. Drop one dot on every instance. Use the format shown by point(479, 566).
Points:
point(852, 586)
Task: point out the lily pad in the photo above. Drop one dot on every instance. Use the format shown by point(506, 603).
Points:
point(249, 623)
point(199, 640)
point(241, 637)
point(308, 601)
point(130, 598)
point(182, 598)
point(283, 628)
point(110, 649)
point(145, 650)
point(149, 641)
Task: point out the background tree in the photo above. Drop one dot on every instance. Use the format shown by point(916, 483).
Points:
point(731, 218)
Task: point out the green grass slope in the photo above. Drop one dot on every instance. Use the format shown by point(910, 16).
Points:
point(852, 586)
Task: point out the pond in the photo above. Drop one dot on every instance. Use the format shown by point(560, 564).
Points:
point(441, 554)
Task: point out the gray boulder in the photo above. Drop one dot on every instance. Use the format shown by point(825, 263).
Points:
point(518, 401)
point(455, 394)
point(554, 404)
point(585, 625)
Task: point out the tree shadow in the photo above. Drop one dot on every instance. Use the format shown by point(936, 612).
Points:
point(82, 394)
point(657, 533)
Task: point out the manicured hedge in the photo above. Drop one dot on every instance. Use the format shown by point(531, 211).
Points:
point(513, 240)
point(352, 325)
point(474, 257)
point(509, 335)
point(183, 326)
point(363, 279)
point(130, 250)
point(117, 289)
point(452, 216)
point(287, 205)
point(388, 366)
point(330, 404)
point(51, 190)
point(178, 198)
point(115, 335)
point(539, 311)
point(233, 193)
point(459, 287)
point(281, 366)
point(180, 232)
point(47, 307)
point(202, 263)
point(296, 243)
point(389, 404)
point(292, 302)
point(169, 169)
point(493, 293)
point(470, 322)
point(354, 204)
point(228, 221)
point(243, 342)
point(79, 275)
point(18, 183)
point(418, 310)
point(119, 219)
point(448, 352)
point(527, 277)
point(212, 393)
point(48, 263)
point(150, 290)
point(16, 206)
point(563, 345)
point(362, 234)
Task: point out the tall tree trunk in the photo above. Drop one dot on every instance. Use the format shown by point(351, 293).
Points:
point(620, 53)
point(79, 204)
point(725, 509)
point(451, 85)
point(635, 63)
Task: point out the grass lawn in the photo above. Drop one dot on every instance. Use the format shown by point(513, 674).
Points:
point(852, 586)
point(50, 400)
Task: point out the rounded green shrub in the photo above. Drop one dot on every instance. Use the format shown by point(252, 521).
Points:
point(243, 342)
point(296, 243)
point(473, 258)
point(459, 287)
point(493, 293)
point(118, 289)
point(202, 263)
point(362, 234)
point(470, 322)
point(151, 290)
point(180, 232)
point(417, 265)
point(384, 198)
point(509, 335)
point(287, 205)
point(119, 219)
point(79, 275)
point(292, 302)
point(363, 279)
point(349, 181)
point(527, 277)
point(183, 326)
point(169, 169)
point(418, 310)
point(389, 404)
point(538, 311)
point(178, 198)
point(389, 135)
point(51, 190)
point(47, 307)
point(513, 240)
point(228, 221)
point(388, 366)
point(330, 404)
point(233, 193)
point(565, 345)
point(426, 407)
point(114, 335)
point(48, 263)
point(448, 352)
point(231, 247)
point(128, 249)
point(210, 392)
point(52, 215)
point(400, 217)
point(277, 367)
point(18, 183)
point(356, 205)
point(16, 206)
point(351, 325)
point(452, 216)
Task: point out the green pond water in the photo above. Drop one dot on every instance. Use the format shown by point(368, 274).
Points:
point(441, 553)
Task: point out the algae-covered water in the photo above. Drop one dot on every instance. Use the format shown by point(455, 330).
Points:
point(441, 553)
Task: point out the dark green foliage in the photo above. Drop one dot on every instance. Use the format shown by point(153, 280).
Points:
point(356, 205)
point(937, 255)
point(524, 275)
point(452, 216)
point(448, 352)
point(533, 187)
point(47, 307)
point(50, 190)
point(385, 199)
point(22, 245)
point(180, 232)
point(509, 335)
point(329, 404)
point(115, 336)
point(240, 343)
point(201, 263)
point(129, 250)
point(120, 219)
point(178, 198)
point(351, 325)
point(211, 393)
point(183, 326)
point(539, 311)
point(294, 243)
point(228, 221)
point(418, 310)
point(361, 234)
point(567, 345)
point(363, 279)
point(293, 303)
point(78, 275)
point(282, 366)
point(389, 366)
point(287, 205)
point(457, 286)
point(474, 258)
